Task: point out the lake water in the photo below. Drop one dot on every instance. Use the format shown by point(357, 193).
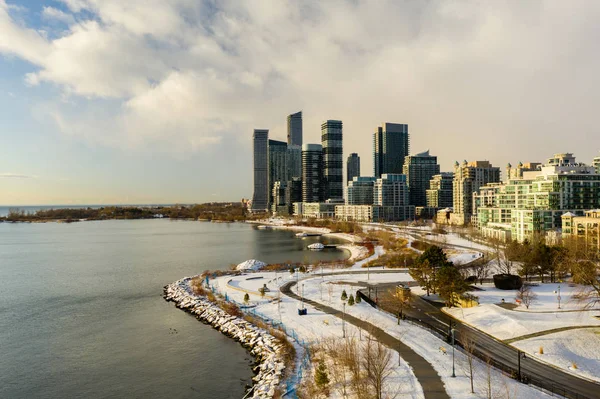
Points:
point(81, 312)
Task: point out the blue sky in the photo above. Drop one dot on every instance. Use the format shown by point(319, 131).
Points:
point(154, 101)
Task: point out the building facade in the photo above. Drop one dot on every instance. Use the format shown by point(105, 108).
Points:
point(294, 129)
point(294, 161)
point(312, 173)
point(596, 164)
point(374, 213)
point(468, 178)
point(352, 166)
point(535, 203)
point(439, 194)
point(260, 198)
point(278, 204)
point(391, 144)
point(277, 159)
point(391, 190)
point(293, 193)
point(419, 170)
point(331, 140)
point(360, 191)
point(584, 228)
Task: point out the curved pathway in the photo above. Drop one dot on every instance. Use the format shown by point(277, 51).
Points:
point(433, 387)
point(546, 332)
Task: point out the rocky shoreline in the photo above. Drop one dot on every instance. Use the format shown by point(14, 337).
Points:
point(266, 349)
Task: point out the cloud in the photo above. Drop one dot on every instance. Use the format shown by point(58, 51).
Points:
point(181, 75)
point(54, 14)
point(16, 176)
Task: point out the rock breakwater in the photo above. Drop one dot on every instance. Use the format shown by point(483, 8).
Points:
point(267, 350)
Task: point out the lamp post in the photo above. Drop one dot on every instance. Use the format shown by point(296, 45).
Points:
point(558, 297)
point(302, 296)
point(344, 320)
point(453, 373)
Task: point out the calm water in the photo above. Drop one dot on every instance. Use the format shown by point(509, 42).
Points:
point(81, 312)
point(34, 208)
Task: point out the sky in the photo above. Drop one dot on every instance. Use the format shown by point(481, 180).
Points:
point(155, 101)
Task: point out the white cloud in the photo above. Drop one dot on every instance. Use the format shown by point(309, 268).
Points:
point(15, 176)
point(54, 14)
point(184, 74)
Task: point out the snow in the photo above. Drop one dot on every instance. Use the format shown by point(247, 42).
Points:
point(251, 264)
point(506, 324)
point(563, 349)
point(317, 325)
point(546, 296)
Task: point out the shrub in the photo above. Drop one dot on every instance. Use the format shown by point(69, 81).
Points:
point(344, 295)
point(541, 350)
point(358, 300)
point(351, 300)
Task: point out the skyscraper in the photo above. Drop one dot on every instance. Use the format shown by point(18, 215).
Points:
point(312, 173)
point(260, 198)
point(352, 167)
point(391, 145)
point(294, 129)
point(419, 169)
point(294, 161)
point(278, 171)
point(331, 140)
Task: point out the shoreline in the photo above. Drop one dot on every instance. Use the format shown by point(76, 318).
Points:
point(356, 252)
point(266, 349)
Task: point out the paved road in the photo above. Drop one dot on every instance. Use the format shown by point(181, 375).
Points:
point(430, 381)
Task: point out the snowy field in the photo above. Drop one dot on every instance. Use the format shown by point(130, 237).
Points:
point(575, 351)
point(546, 297)
point(506, 324)
point(318, 325)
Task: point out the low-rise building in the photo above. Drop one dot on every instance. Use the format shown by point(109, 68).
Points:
point(319, 210)
point(374, 213)
point(586, 228)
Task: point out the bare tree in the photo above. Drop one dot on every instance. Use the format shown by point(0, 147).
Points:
point(468, 344)
point(526, 295)
point(377, 363)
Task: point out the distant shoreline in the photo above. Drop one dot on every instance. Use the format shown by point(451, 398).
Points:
point(215, 212)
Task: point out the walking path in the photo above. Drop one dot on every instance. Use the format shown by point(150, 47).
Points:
point(546, 332)
point(433, 387)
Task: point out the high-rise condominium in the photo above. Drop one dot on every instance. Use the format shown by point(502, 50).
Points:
point(419, 169)
point(260, 198)
point(294, 129)
point(312, 173)
point(468, 178)
point(439, 194)
point(391, 145)
point(278, 171)
point(331, 140)
point(352, 167)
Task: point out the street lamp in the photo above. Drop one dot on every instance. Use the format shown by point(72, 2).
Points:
point(453, 373)
point(302, 296)
point(344, 320)
point(558, 296)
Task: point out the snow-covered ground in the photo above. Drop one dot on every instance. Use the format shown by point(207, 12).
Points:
point(546, 297)
point(506, 324)
point(575, 351)
point(317, 325)
point(311, 328)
